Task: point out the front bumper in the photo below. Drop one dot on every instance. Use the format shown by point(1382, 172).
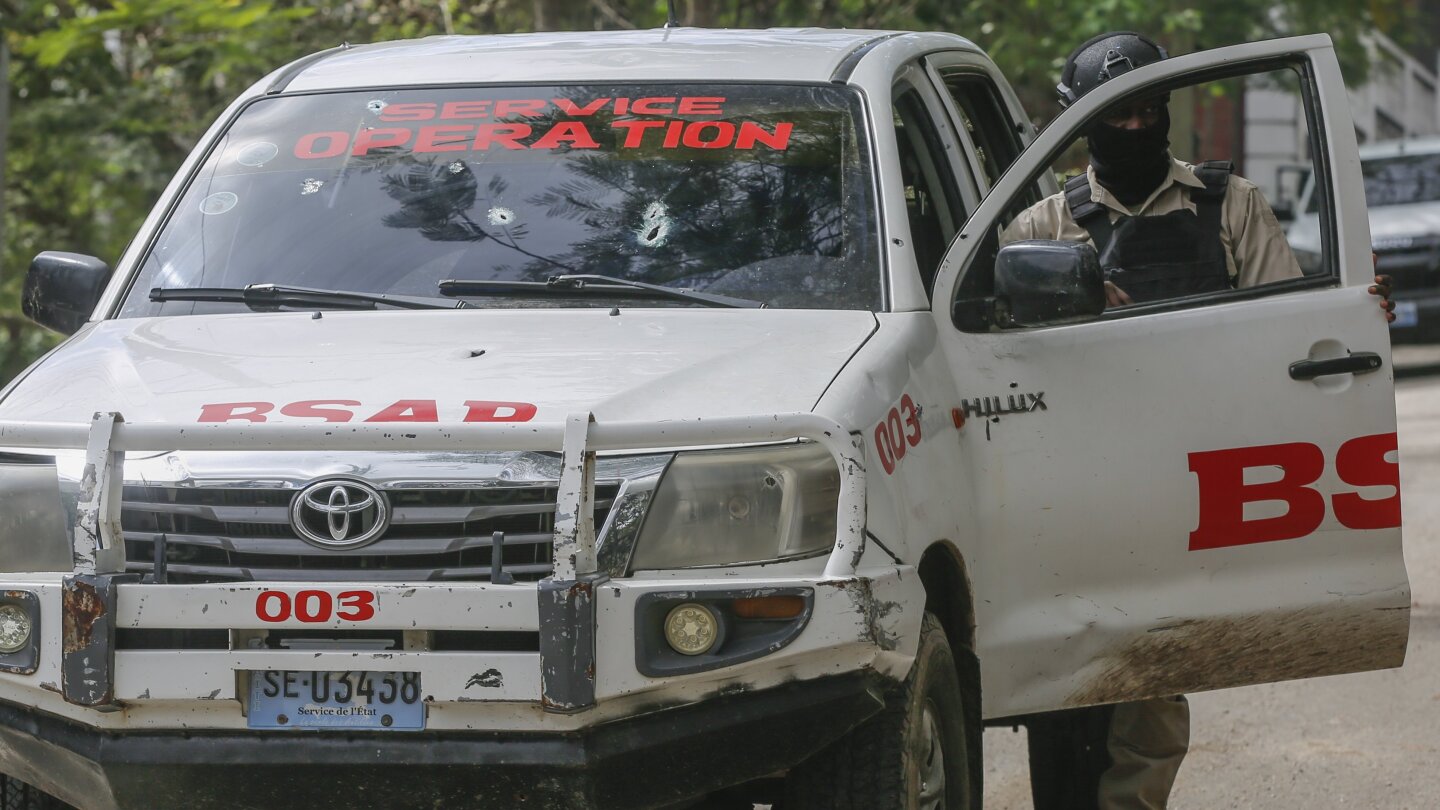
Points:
point(649, 760)
point(137, 695)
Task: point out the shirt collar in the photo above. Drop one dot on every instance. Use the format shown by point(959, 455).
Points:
point(1180, 173)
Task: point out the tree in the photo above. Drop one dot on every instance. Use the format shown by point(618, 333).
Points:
point(106, 97)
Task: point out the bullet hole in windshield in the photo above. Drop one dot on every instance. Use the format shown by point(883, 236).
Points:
point(654, 227)
point(311, 185)
point(218, 203)
point(376, 106)
point(257, 154)
point(456, 167)
point(500, 216)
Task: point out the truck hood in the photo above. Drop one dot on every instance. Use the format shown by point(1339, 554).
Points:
point(426, 366)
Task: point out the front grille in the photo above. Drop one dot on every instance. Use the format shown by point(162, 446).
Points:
point(437, 533)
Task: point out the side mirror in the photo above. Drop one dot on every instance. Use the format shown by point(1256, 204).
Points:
point(62, 289)
point(1040, 281)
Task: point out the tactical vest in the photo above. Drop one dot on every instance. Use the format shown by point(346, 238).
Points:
point(1157, 257)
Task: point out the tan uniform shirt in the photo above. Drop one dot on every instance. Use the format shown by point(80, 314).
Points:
point(1255, 248)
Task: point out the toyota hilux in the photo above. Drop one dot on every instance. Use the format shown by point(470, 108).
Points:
point(607, 419)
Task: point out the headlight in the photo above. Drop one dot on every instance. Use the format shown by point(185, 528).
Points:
point(14, 628)
point(33, 516)
point(747, 505)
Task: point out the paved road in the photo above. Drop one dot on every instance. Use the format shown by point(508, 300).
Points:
point(1365, 740)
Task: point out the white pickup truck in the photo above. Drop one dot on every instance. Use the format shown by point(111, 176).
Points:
point(606, 419)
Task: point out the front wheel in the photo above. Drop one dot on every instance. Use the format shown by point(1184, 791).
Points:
point(914, 755)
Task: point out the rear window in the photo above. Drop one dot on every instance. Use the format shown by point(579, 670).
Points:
point(1400, 180)
point(752, 191)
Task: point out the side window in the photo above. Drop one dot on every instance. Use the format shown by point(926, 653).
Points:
point(932, 200)
point(1172, 197)
point(985, 119)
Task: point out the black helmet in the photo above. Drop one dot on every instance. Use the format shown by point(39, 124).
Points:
point(1102, 58)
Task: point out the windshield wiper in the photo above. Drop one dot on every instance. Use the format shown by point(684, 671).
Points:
point(270, 295)
point(588, 284)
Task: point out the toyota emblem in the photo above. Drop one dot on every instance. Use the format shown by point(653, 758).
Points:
point(339, 514)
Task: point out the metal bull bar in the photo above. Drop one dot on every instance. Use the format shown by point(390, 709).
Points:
point(566, 604)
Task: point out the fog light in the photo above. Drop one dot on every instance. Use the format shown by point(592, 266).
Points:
point(691, 629)
point(14, 628)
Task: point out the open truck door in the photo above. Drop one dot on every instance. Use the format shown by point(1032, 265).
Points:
point(1190, 493)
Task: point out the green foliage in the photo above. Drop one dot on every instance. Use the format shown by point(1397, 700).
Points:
point(107, 97)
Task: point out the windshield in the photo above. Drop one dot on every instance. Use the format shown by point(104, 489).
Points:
point(1405, 179)
point(757, 192)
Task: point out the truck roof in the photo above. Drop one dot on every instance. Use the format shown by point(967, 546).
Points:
point(661, 54)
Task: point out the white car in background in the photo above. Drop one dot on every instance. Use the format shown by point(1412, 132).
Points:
point(1402, 191)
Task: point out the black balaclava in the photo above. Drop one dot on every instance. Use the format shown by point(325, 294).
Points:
point(1131, 163)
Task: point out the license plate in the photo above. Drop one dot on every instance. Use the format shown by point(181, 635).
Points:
point(1406, 314)
point(383, 701)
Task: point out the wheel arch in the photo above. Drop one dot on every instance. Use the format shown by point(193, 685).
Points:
point(949, 596)
point(947, 592)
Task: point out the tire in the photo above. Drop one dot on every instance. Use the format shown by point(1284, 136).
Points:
point(17, 795)
point(892, 761)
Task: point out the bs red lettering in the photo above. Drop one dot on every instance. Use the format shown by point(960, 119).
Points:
point(1223, 494)
point(235, 411)
point(1361, 463)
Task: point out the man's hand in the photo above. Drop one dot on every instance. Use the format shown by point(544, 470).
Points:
point(1381, 287)
point(1116, 297)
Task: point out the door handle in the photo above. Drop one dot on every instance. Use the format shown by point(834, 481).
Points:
point(1357, 363)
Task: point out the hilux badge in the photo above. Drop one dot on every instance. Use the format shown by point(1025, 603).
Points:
point(339, 514)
